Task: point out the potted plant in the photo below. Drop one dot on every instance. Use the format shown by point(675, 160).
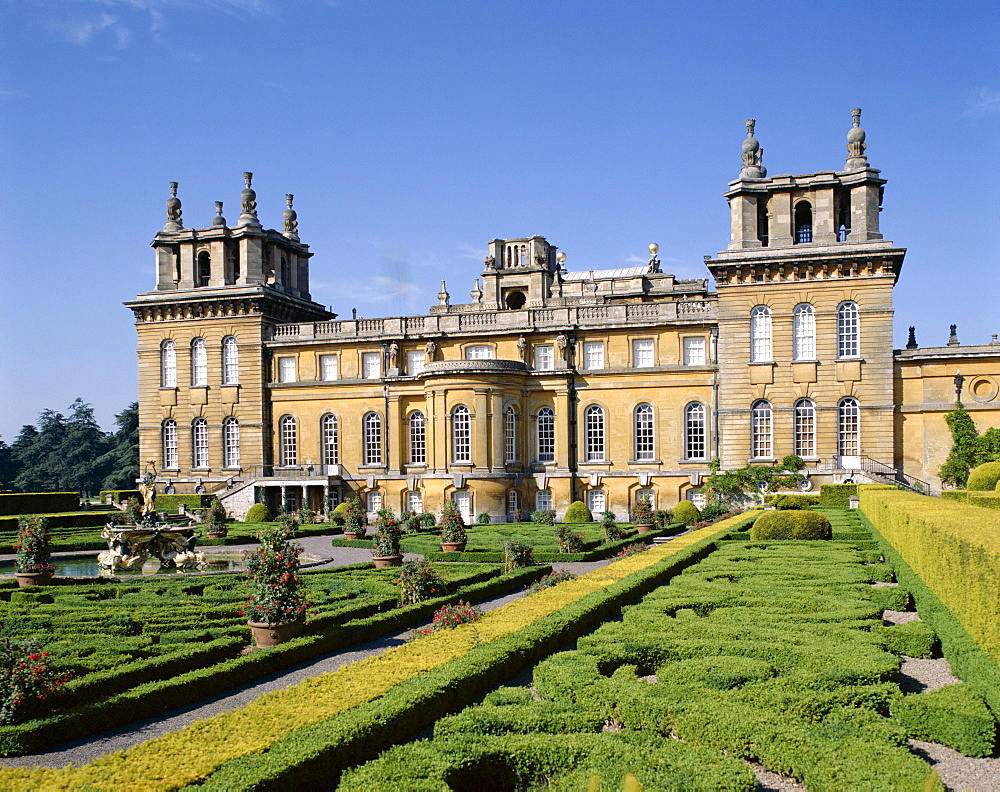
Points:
point(355, 520)
point(385, 543)
point(453, 535)
point(642, 515)
point(217, 520)
point(34, 557)
point(276, 608)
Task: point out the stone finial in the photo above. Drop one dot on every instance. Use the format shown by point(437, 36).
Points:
point(753, 155)
point(856, 157)
point(218, 221)
point(248, 215)
point(291, 219)
point(173, 210)
point(477, 293)
point(654, 262)
point(911, 340)
point(993, 339)
point(443, 295)
point(953, 336)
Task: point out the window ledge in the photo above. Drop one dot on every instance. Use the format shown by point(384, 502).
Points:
point(595, 462)
point(703, 461)
point(421, 465)
point(196, 387)
point(752, 460)
point(645, 462)
point(371, 467)
point(852, 359)
point(168, 388)
point(762, 363)
point(201, 469)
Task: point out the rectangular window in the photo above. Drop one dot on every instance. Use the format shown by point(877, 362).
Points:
point(642, 353)
point(479, 352)
point(329, 368)
point(593, 355)
point(545, 359)
point(286, 369)
point(200, 444)
point(415, 501)
point(371, 365)
point(374, 499)
point(596, 501)
point(543, 500)
point(694, 351)
point(415, 362)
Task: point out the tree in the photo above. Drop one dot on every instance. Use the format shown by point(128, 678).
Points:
point(962, 457)
point(734, 489)
point(122, 461)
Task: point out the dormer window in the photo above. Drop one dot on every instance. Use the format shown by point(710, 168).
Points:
point(803, 223)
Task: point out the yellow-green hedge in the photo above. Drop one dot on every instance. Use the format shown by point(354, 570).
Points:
point(953, 547)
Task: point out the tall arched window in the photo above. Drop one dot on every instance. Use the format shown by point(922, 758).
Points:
point(231, 442)
point(204, 268)
point(760, 430)
point(230, 361)
point(199, 363)
point(593, 422)
point(643, 425)
point(461, 435)
point(848, 427)
point(694, 431)
point(848, 330)
point(329, 439)
point(804, 332)
point(760, 334)
point(199, 444)
point(289, 441)
point(546, 430)
point(509, 434)
point(805, 428)
point(596, 501)
point(418, 438)
point(170, 461)
point(372, 426)
point(803, 222)
point(168, 364)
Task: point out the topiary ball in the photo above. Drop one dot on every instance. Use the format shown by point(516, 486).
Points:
point(686, 512)
point(984, 477)
point(578, 513)
point(791, 525)
point(259, 513)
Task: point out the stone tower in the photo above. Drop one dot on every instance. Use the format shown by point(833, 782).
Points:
point(805, 315)
point(203, 367)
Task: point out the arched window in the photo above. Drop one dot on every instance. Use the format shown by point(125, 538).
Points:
point(647, 495)
point(593, 422)
point(230, 361)
point(760, 334)
point(596, 501)
point(805, 428)
point(804, 332)
point(168, 364)
point(231, 442)
point(199, 444)
point(372, 425)
point(461, 435)
point(803, 223)
point(546, 435)
point(199, 363)
point(170, 461)
point(848, 330)
point(643, 425)
point(415, 501)
point(329, 439)
point(760, 430)
point(694, 431)
point(204, 268)
point(418, 438)
point(848, 427)
point(509, 435)
point(373, 501)
point(289, 441)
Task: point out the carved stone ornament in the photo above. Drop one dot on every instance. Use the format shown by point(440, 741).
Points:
point(291, 219)
point(248, 198)
point(173, 210)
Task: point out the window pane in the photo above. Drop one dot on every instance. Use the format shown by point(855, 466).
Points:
point(509, 435)
point(643, 432)
point(849, 430)
point(543, 500)
point(289, 441)
point(804, 333)
point(694, 351)
point(594, 433)
point(231, 442)
point(415, 363)
point(371, 364)
point(546, 435)
point(415, 501)
point(694, 431)
point(374, 500)
point(848, 330)
point(461, 435)
point(760, 334)
point(805, 428)
point(593, 355)
point(286, 369)
point(642, 353)
point(418, 438)
point(544, 357)
point(168, 365)
point(170, 444)
point(596, 501)
point(230, 361)
point(200, 442)
point(199, 363)
point(760, 430)
point(330, 440)
point(479, 352)
point(373, 439)
point(513, 501)
point(329, 368)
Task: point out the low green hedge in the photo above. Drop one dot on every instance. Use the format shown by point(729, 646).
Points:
point(836, 495)
point(789, 524)
point(18, 503)
point(987, 500)
point(169, 503)
point(120, 496)
point(953, 716)
point(913, 639)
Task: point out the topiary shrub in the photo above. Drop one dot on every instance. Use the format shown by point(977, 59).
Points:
point(259, 513)
point(793, 502)
point(578, 513)
point(984, 477)
point(686, 512)
point(791, 524)
point(953, 716)
point(483, 518)
point(544, 517)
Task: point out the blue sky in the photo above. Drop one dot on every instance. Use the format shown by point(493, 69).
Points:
point(411, 133)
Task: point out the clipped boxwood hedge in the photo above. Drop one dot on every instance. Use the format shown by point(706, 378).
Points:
point(120, 496)
point(954, 716)
point(791, 524)
point(836, 495)
point(38, 502)
point(578, 513)
point(984, 477)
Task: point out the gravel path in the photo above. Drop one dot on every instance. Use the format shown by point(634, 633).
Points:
point(959, 772)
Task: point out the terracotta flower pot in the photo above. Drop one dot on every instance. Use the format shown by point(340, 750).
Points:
point(265, 634)
point(217, 534)
point(25, 579)
point(644, 527)
point(452, 547)
point(384, 562)
point(354, 535)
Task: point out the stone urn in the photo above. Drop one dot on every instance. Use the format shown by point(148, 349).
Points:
point(25, 579)
point(265, 634)
point(644, 527)
point(452, 547)
point(354, 536)
point(384, 562)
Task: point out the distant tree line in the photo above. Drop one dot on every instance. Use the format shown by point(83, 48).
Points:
point(71, 453)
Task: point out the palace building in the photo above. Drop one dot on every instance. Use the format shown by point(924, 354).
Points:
point(551, 386)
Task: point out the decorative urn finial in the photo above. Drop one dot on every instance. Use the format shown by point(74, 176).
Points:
point(291, 219)
point(654, 262)
point(856, 157)
point(173, 210)
point(911, 340)
point(248, 215)
point(443, 295)
point(218, 221)
point(753, 155)
point(953, 336)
